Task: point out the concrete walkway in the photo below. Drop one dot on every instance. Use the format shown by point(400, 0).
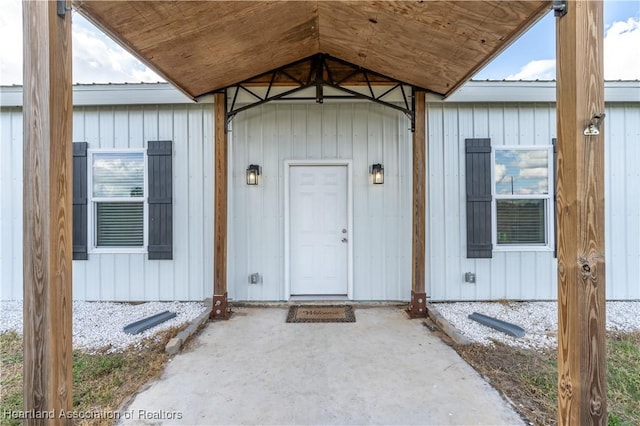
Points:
point(257, 369)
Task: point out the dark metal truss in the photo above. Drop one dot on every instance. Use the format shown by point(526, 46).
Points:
point(320, 71)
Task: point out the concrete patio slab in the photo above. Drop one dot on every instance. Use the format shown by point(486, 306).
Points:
point(257, 369)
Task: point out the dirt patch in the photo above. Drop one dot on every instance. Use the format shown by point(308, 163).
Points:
point(102, 381)
point(527, 378)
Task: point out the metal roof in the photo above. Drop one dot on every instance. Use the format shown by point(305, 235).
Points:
point(485, 91)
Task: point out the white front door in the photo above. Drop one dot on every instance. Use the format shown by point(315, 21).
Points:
point(318, 230)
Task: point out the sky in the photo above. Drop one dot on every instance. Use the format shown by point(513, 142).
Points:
point(97, 59)
point(532, 56)
point(522, 171)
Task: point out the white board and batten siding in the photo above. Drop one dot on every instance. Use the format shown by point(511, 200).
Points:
point(513, 114)
point(126, 276)
point(11, 203)
point(622, 200)
point(365, 133)
point(525, 275)
point(519, 275)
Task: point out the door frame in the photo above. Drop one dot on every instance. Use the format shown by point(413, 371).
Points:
point(287, 220)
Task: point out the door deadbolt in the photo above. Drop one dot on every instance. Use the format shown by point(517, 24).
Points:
point(344, 230)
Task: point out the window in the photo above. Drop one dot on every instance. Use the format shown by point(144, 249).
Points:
point(522, 189)
point(118, 200)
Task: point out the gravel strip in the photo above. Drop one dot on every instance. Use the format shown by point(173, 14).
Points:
point(98, 325)
point(539, 320)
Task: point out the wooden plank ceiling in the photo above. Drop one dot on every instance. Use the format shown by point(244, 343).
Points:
point(203, 46)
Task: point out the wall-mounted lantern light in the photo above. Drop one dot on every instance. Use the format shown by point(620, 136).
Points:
point(253, 171)
point(377, 172)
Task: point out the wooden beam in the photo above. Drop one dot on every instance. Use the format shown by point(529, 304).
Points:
point(204, 46)
point(417, 307)
point(580, 216)
point(219, 310)
point(47, 197)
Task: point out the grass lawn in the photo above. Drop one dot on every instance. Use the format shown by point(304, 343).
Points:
point(529, 378)
point(102, 382)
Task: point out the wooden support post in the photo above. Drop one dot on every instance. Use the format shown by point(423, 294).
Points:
point(220, 308)
point(418, 305)
point(47, 197)
point(580, 216)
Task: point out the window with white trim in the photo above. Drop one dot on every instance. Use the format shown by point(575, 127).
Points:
point(118, 200)
point(523, 196)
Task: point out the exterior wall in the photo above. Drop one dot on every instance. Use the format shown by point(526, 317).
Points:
point(364, 132)
point(622, 200)
point(126, 277)
point(523, 275)
point(11, 203)
point(519, 275)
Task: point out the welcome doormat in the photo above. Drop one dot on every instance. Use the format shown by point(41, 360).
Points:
point(321, 313)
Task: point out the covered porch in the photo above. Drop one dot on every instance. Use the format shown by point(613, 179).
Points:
point(384, 52)
point(211, 47)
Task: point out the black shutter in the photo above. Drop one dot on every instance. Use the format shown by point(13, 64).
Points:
point(159, 155)
point(80, 201)
point(555, 196)
point(478, 170)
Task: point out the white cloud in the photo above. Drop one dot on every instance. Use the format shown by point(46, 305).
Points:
point(533, 165)
point(543, 186)
point(621, 56)
point(532, 158)
point(534, 173)
point(11, 33)
point(501, 171)
point(96, 58)
point(622, 50)
point(542, 69)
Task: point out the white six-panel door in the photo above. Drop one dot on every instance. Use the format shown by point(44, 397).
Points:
point(318, 232)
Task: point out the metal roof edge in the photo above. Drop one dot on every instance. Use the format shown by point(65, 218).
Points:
point(473, 91)
point(109, 94)
point(534, 91)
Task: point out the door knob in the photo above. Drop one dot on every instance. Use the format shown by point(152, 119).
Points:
point(344, 240)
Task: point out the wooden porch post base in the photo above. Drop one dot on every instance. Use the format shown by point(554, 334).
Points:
point(220, 307)
point(418, 305)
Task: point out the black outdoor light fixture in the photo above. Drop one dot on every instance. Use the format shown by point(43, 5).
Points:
point(253, 171)
point(377, 172)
